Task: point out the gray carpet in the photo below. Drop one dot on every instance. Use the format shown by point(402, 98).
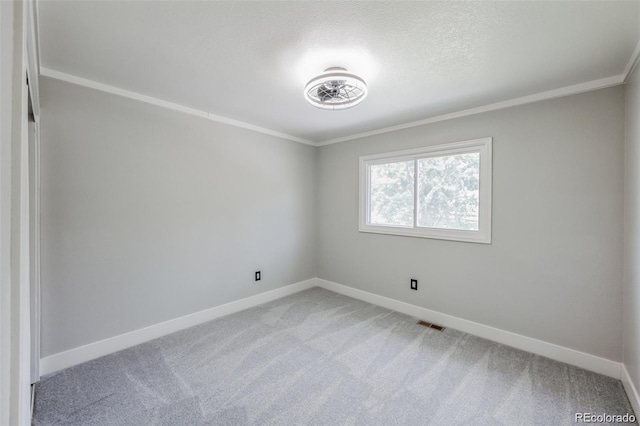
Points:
point(320, 358)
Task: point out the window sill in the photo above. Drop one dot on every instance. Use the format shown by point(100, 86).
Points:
point(432, 233)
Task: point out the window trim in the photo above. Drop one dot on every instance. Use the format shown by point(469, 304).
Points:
point(483, 146)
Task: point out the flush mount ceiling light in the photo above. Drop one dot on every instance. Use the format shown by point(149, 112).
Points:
point(335, 89)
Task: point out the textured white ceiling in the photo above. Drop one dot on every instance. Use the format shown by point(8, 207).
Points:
point(249, 61)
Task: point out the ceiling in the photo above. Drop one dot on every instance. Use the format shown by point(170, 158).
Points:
point(249, 61)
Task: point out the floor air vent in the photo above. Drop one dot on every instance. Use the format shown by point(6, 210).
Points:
point(434, 326)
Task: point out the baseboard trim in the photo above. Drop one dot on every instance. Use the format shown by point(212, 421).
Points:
point(66, 359)
point(632, 392)
point(549, 350)
point(94, 350)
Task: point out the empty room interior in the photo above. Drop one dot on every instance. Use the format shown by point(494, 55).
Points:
point(323, 213)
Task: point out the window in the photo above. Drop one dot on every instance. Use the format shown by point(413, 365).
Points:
point(441, 192)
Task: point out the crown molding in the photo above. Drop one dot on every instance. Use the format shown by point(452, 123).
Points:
point(633, 62)
point(542, 96)
point(549, 94)
point(69, 78)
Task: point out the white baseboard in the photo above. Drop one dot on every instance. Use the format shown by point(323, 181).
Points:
point(631, 390)
point(100, 348)
point(549, 350)
point(94, 350)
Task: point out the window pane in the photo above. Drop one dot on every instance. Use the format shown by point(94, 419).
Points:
point(391, 196)
point(448, 191)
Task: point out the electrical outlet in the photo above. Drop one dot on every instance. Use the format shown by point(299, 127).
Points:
point(258, 275)
point(414, 284)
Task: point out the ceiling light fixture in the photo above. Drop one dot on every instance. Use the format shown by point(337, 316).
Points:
point(335, 89)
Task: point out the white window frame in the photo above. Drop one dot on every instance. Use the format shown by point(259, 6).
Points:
point(482, 146)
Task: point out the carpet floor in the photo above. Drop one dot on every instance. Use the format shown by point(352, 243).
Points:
point(320, 358)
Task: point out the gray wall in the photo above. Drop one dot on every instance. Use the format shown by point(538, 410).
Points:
point(554, 269)
point(150, 214)
point(631, 308)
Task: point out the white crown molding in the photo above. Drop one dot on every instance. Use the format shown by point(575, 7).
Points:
point(550, 350)
point(75, 356)
point(69, 78)
point(549, 94)
point(630, 388)
point(633, 62)
point(542, 96)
